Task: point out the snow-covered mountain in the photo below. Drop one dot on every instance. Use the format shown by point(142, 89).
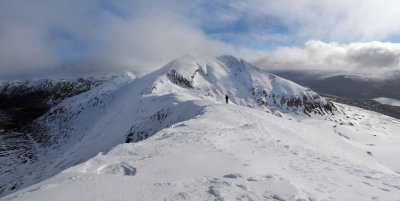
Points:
point(20, 103)
point(276, 140)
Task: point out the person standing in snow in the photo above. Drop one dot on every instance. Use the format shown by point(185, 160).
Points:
point(226, 98)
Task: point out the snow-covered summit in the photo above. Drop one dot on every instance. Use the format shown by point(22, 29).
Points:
point(243, 83)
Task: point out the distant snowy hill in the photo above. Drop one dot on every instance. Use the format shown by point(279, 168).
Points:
point(345, 84)
point(388, 101)
point(275, 140)
point(358, 90)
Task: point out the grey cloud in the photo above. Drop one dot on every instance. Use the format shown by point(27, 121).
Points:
point(152, 34)
point(374, 57)
point(147, 43)
point(21, 47)
point(334, 56)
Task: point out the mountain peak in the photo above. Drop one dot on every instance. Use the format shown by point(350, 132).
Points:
point(244, 83)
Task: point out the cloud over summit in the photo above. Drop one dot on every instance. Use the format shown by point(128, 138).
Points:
point(97, 35)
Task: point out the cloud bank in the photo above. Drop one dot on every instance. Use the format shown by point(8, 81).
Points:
point(317, 55)
point(100, 35)
point(95, 35)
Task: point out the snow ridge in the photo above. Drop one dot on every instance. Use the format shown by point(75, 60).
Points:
point(129, 109)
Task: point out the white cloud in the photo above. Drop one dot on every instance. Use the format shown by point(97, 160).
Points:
point(371, 56)
point(152, 34)
point(143, 35)
point(150, 42)
point(327, 20)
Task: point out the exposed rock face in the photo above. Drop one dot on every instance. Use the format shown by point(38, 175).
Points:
point(180, 79)
point(306, 104)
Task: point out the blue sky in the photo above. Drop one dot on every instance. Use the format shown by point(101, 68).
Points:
point(237, 31)
point(143, 35)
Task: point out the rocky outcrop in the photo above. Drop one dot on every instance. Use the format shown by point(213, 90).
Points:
point(307, 104)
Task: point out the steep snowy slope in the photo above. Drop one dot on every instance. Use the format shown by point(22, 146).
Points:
point(24, 142)
point(192, 90)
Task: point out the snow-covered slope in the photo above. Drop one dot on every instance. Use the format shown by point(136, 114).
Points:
point(232, 152)
point(27, 147)
point(275, 140)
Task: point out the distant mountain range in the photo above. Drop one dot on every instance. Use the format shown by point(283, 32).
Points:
point(352, 89)
point(345, 85)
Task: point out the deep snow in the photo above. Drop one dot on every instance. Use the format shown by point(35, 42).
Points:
point(275, 140)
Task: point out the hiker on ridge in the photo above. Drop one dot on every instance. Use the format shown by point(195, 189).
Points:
point(226, 98)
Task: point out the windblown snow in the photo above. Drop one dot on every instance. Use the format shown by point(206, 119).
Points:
point(275, 140)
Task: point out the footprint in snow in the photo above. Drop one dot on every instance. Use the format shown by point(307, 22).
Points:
point(122, 169)
point(366, 183)
point(233, 176)
point(179, 196)
point(384, 189)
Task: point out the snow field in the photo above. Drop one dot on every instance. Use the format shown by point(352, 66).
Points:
point(233, 152)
